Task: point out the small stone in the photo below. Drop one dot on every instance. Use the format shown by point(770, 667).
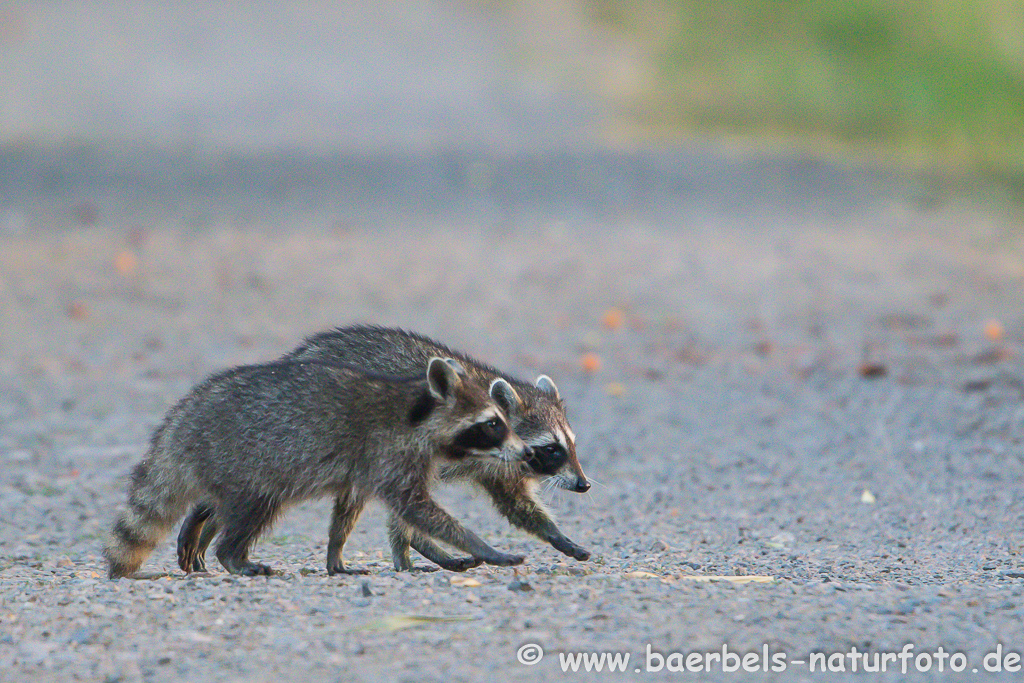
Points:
point(519, 586)
point(35, 651)
point(82, 636)
point(20, 456)
point(364, 589)
point(780, 540)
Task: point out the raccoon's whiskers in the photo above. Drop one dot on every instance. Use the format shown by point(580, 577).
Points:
point(550, 484)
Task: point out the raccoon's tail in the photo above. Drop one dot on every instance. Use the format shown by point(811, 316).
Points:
point(156, 499)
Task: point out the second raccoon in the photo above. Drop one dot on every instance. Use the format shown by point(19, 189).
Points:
point(252, 440)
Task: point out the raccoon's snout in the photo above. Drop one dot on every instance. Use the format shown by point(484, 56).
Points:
point(582, 486)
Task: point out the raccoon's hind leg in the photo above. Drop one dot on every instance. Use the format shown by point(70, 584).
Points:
point(191, 549)
point(416, 508)
point(210, 530)
point(516, 500)
point(399, 535)
point(402, 536)
point(347, 507)
point(155, 500)
point(244, 519)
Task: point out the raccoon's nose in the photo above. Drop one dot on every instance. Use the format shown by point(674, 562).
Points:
point(582, 486)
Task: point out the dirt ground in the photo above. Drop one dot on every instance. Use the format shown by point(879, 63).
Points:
point(829, 398)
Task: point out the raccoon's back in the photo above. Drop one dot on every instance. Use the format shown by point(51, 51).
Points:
point(259, 424)
point(388, 350)
point(396, 351)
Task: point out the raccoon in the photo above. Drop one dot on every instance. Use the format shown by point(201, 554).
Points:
point(535, 412)
point(252, 440)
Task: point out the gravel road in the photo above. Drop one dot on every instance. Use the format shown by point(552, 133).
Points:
point(776, 367)
point(828, 396)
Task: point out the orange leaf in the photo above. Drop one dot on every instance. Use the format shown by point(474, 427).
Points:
point(994, 330)
point(126, 263)
point(613, 318)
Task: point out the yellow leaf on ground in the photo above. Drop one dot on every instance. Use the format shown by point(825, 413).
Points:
point(615, 389)
point(730, 579)
point(397, 622)
point(465, 581)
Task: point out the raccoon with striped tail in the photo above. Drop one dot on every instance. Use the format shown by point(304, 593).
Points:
point(250, 441)
point(536, 413)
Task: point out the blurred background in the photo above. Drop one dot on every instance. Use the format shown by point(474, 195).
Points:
point(502, 107)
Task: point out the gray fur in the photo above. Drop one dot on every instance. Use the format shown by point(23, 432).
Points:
point(250, 441)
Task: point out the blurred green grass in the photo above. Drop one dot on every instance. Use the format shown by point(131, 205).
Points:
point(935, 84)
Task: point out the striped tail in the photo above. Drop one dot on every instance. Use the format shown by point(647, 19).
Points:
point(155, 502)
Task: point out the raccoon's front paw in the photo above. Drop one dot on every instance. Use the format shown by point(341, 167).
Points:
point(349, 571)
point(581, 554)
point(461, 564)
point(567, 547)
point(505, 560)
point(254, 569)
point(576, 552)
point(335, 568)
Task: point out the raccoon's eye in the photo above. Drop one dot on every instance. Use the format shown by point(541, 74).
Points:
point(494, 428)
point(483, 435)
point(548, 459)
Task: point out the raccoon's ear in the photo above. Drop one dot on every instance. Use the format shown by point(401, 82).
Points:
point(456, 365)
point(442, 378)
point(505, 396)
point(546, 384)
